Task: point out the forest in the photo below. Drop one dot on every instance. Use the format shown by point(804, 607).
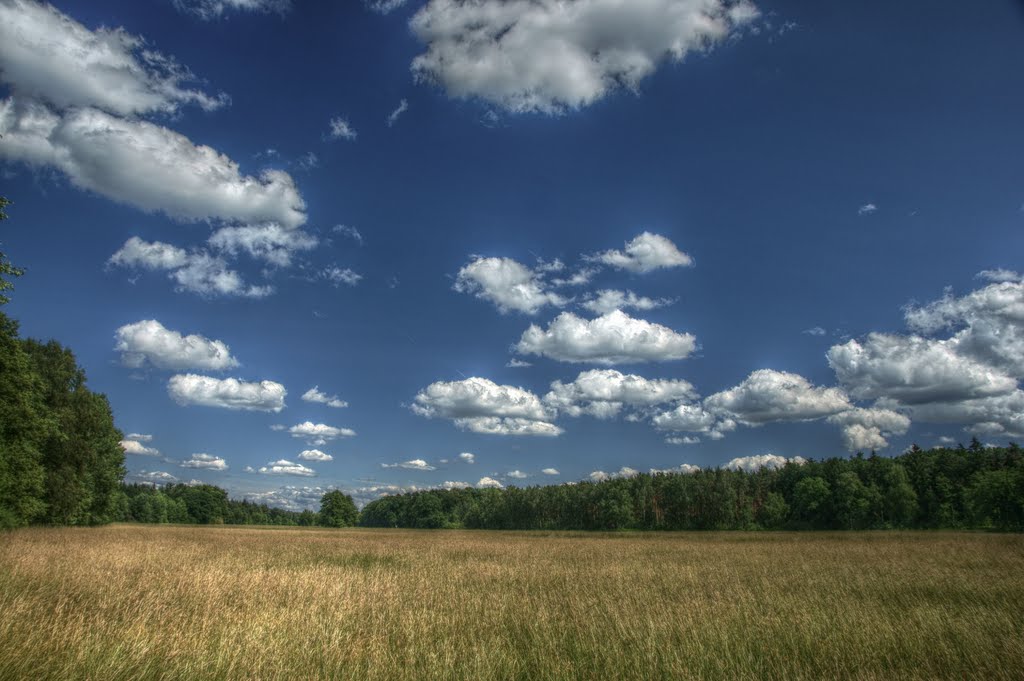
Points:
point(942, 488)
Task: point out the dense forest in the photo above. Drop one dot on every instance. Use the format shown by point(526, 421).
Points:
point(966, 487)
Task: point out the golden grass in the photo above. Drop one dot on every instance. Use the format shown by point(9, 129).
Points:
point(151, 602)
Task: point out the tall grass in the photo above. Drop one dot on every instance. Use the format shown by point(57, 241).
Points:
point(150, 602)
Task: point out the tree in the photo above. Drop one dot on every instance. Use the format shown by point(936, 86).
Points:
point(810, 499)
point(337, 510)
point(6, 268)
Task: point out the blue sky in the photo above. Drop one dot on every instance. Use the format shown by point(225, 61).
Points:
point(807, 219)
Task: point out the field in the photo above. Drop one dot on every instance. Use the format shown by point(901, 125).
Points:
point(151, 602)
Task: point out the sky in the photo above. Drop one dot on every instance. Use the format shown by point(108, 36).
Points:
point(392, 245)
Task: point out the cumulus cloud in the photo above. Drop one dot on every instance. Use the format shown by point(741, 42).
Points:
point(1000, 275)
point(338, 276)
point(228, 393)
point(155, 255)
point(608, 300)
point(604, 393)
point(466, 457)
point(624, 472)
point(768, 395)
point(550, 471)
point(684, 468)
point(314, 395)
point(759, 461)
point(340, 129)
point(645, 253)
point(448, 484)
point(285, 467)
point(315, 455)
point(614, 338)
point(867, 429)
point(694, 418)
point(153, 477)
point(146, 165)
point(997, 416)
point(517, 474)
point(482, 406)
point(148, 342)
point(517, 364)
point(550, 56)
point(683, 440)
point(509, 284)
point(319, 434)
point(913, 370)
point(206, 462)
point(268, 242)
point(489, 482)
point(214, 9)
point(48, 56)
point(413, 465)
point(135, 447)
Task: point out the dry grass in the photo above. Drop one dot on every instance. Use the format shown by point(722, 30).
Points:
point(145, 602)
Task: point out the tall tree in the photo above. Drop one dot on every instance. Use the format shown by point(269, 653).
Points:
point(337, 510)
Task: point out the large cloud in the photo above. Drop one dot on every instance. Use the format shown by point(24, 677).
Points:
point(603, 393)
point(146, 165)
point(482, 406)
point(768, 395)
point(614, 338)
point(865, 429)
point(553, 55)
point(228, 393)
point(645, 253)
point(913, 370)
point(49, 56)
point(148, 342)
point(508, 284)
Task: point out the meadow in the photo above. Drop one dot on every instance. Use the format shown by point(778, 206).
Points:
point(186, 602)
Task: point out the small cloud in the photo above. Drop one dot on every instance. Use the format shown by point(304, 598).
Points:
point(285, 467)
point(815, 331)
point(315, 455)
point(999, 275)
point(314, 395)
point(340, 129)
point(517, 364)
point(466, 457)
point(413, 465)
point(350, 232)
point(307, 161)
point(205, 462)
point(684, 440)
point(867, 209)
point(489, 482)
point(403, 106)
point(518, 475)
point(550, 471)
point(338, 276)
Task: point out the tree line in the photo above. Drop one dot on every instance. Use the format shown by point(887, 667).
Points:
point(945, 488)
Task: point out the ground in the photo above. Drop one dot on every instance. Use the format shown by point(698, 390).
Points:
point(159, 602)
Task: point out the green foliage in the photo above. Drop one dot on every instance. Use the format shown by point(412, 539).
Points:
point(199, 505)
point(949, 488)
point(6, 268)
point(337, 510)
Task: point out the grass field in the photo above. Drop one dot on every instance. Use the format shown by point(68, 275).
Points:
point(150, 602)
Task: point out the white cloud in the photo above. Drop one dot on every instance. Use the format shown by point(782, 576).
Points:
point(550, 471)
point(47, 55)
point(154, 255)
point(517, 364)
point(683, 440)
point(338, 276)
point(413, 465)
point(645, 253)
point(340, 129)
point(580, 277)
point(131, 446)
point(867, 209)
point(768, 395)
point(996, 416)
point(613, 338)
point(867, 429)
point(149, 342)
point(205, 462)
point(510, 285)
point(139, 437)
point(518, 475)
point(319, 434)
point(448, 484)
point(624, 472)
point(603, 393)
point(753, 463)
point(154, 477)
point(466, 457)
point(350, 232)
point(314, 395)
point(489, 482)
point(550, 56)
point(815, 331)
point(482, 406)
point(214, 9)
point(385, 6)
point(683, 468)
point(315, 455)
point(285, 467)
point(1000, 275)
point(494, 425)
point(146, 165)
point(913, 370)
point(228, 393)
point(269, 242)
point(608, 300)
point(403, 106)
